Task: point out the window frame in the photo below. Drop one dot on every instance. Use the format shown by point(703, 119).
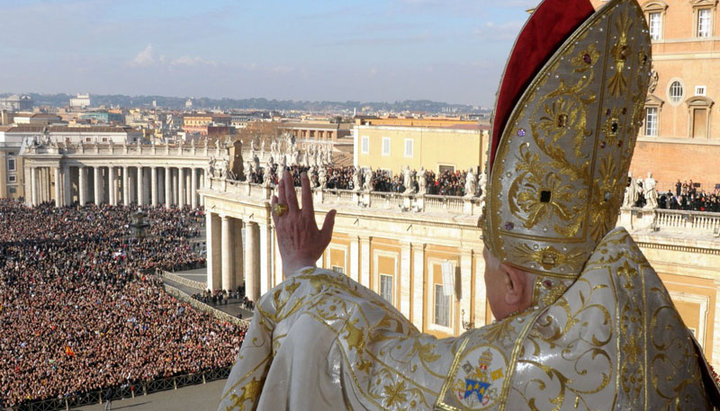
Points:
point(675, 100)
point(703, 31)
point(409, 153)
point(440, 300)
point(364, 144)
point(11, 164)
point(658, 7)
point(655, 32)
point(647, 131)
point(386, 144)
point(386, 280)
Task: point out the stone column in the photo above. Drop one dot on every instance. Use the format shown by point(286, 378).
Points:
point(193, 188)
point(237, 251)
point(153, 186)
point(464, 293)
point(228, 279)
point(112, 186)
point(365, 261)
point(140, 185)
point(418, 283)
point(33, 187)
point(212, 250)
point(404, 283)
point(354, 270)
point(252, 261)
point(181, 187)
point(82, 183)
point(97, 179)
point(266, 257)
point(58, 184)
point(173, 177)
point(168, 198)
point(67, 185)
point(126, 186)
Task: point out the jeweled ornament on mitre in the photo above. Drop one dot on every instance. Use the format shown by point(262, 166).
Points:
point(566, 120)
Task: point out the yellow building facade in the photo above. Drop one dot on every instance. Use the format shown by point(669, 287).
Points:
point(434, 148)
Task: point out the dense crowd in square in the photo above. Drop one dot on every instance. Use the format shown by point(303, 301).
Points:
point(81, 308)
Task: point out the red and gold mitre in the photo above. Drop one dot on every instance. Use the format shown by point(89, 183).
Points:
point(568, 111)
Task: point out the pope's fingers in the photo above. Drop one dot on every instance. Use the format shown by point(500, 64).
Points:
point(307, 201)
point(327, 228)
point(281, 193)
point(290, 193)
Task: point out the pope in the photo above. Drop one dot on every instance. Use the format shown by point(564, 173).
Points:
point(583, 320)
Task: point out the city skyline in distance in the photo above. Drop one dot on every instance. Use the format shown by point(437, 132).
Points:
point(447, 51)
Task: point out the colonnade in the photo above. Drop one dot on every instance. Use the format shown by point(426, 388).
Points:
point(234, 255)
point(116, 184)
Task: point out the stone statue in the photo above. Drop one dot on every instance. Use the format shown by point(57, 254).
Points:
point(312, 175)
point(422, 180)
point(322, 178)
point(262, 146)
point(283, 163)
point(256, 160)
point(651, 195)
point(211, 166)
point(274, 148)
point(356, 179)
point(249, 171)
point(368, 183)
point(654, 77)
point(470, 183)
point(631, 193)
point(267, 175)
point(408, 181)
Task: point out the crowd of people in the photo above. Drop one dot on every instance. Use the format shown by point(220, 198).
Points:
point(81, 308)
point(695, 200)
point(447, 183)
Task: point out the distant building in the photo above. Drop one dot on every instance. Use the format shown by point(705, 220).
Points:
point(309, 132)
point(104, 117)
point(37, 119)
point(436, 149)
point(200, 122)
point(81, 101)
point(16, 103)
point(680, 137)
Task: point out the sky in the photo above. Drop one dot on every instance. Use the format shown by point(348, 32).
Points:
point(451, 51)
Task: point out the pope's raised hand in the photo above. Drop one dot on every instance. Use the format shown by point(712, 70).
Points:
point(300, 242)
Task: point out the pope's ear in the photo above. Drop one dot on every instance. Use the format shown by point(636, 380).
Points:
point(514, 284)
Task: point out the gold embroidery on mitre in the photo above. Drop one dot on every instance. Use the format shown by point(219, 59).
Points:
point(557, 180)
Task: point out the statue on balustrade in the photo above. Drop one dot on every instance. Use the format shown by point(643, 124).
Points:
point(368, 180)
point(322, 178)
point(267, 175)
point(651, 195)
point(582, 319)
point(211, 166)
point(408, 181)
point(631, 192)
point(313, 175)
point(422, 181)
point(236, 165)
point(356, 179)
point(470, 183)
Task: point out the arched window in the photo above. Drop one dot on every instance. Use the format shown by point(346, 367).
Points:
point(676, 92)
